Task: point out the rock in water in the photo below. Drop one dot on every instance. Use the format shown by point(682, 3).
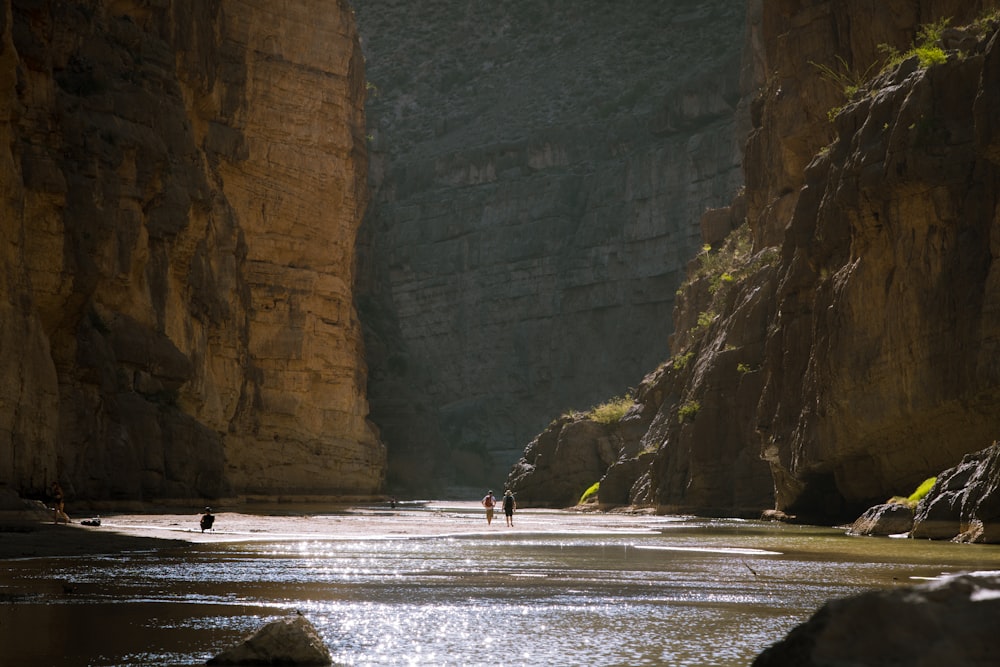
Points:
point(964, 504)
point(286, 641)
point(884, 519)
point(951, 621)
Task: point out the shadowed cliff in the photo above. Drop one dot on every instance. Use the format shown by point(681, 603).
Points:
point(840, 346)
point(181, 186)
point(538, 170)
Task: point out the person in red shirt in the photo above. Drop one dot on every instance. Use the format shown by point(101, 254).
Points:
point(488, 502)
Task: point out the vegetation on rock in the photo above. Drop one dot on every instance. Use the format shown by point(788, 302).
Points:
point(590, 493)
point(918, 494)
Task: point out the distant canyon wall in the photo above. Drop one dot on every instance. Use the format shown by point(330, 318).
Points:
point(538, 172)
point(182, 183)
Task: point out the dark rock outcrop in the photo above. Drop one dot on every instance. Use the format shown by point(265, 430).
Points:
point(948, 622)
point(564, 461)
point(288, 641)
point(964, 503)
point(878, 364)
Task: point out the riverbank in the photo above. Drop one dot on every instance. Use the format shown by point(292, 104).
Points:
point(37, 536)
point(376, 582)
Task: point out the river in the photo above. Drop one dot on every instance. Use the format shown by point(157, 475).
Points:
point(560, 588)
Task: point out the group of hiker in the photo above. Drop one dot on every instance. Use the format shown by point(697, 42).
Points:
point(508, 503)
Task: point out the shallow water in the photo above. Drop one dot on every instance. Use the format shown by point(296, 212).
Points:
point(560, 589)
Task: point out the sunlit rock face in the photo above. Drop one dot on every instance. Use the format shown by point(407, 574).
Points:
point(182, 184)
point(538, 174)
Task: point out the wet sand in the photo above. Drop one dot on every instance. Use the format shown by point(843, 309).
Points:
point(21, 538)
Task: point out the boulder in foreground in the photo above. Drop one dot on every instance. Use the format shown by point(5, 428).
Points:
point(951, 621)
point(286, 641)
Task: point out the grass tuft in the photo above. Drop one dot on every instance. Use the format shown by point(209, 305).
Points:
point(914, 498)
point(612, 411)
point(922, 490)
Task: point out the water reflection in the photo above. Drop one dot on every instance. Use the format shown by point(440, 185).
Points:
point(652, 591)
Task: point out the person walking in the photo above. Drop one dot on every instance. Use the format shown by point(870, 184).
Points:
point(488, 502)
point(508, 507)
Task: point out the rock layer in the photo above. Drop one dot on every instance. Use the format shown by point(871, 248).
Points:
point(182, 185)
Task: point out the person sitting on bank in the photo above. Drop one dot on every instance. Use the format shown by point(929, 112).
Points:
point(207, 520)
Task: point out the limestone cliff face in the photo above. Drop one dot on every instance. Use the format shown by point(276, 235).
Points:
point(181, 186)
point(840, 346)
point(880, 364)
point(538, 173)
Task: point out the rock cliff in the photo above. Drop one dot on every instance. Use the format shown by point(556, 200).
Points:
point(538, 170)
point(840, 346)
point(879, 366)
point(181, 186)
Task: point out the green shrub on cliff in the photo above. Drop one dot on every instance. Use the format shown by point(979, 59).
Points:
point(591, 492)
point(927, 48)
point(688, 411)
point(681, 360)
point(730, 263)
point(987, 22)
point(612, 411)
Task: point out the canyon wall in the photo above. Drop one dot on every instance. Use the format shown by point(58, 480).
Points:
point(182, 183)
point(538, 172)
point(881, 367)
point(840, 345)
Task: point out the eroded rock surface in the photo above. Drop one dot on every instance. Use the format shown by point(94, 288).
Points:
point(884, 519)
point(181, 186)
